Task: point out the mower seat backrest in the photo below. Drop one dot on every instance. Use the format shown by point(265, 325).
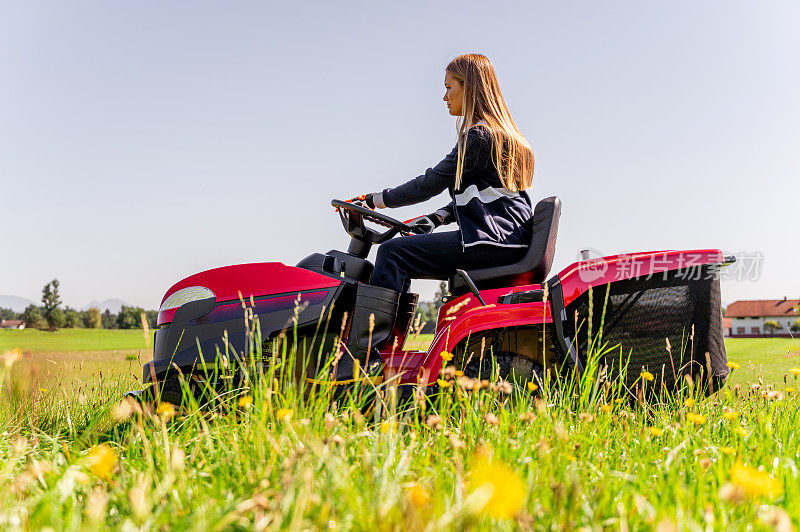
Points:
point(534, 266)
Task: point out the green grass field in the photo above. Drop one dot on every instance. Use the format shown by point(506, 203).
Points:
point(74, 340)
point(272, 456)
point(765, 358)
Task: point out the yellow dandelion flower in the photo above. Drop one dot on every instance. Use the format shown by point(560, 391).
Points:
point(532, 386)
point(607, 408)
point(755, 483)
point(740, 431)
point(506, 490)
point(619, 400)
point(388, 426)
point(732, 365)
point(284, 414)
point(165, 410)
point(447, 356)
point(101, 460)
point(655, 431)
point(571, 458)
point(459, 373)
point(790, 389)
point(697, 419)
point(245, 401)
point(727, 450)
point(646, 375)
point(795, 371)
point(443, 383)
point(688, 402)
point(418, 496)
point(730, 416)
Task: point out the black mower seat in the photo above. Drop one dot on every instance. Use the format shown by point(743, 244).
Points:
point(534, 266)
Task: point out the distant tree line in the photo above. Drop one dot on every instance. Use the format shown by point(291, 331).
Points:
point(50, 316)
point(36, 317)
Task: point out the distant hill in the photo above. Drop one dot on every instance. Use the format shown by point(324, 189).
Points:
point(112, 305)
point(15, 303)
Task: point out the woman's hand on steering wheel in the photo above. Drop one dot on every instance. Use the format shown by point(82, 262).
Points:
point(425, 224)
point(364, 199)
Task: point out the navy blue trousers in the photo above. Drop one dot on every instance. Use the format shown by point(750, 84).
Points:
point(434, 256)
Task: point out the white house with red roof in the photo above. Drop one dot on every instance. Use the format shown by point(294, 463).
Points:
point(748, 317)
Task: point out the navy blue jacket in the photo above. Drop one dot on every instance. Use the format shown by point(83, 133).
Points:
point(486, 211)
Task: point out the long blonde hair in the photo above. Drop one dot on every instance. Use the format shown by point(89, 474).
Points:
point(484, 103)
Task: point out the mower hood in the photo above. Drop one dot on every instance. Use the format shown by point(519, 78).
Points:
point(243, 281)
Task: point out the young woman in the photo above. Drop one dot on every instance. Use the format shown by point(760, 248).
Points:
point(486, 175)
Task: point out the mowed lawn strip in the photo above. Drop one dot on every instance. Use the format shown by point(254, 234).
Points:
point(73, 340)
point(767, 358)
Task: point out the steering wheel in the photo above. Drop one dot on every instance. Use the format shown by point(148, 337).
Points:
point(354, 215)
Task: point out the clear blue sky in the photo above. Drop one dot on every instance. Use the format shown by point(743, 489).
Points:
point(141, 142)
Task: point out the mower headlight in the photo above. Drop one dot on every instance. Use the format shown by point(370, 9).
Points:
point(185, 295)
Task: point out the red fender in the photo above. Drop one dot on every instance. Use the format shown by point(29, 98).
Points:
point(465, 315)
point(578, 277)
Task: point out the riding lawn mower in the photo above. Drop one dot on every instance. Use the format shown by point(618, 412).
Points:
point(657, 312)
